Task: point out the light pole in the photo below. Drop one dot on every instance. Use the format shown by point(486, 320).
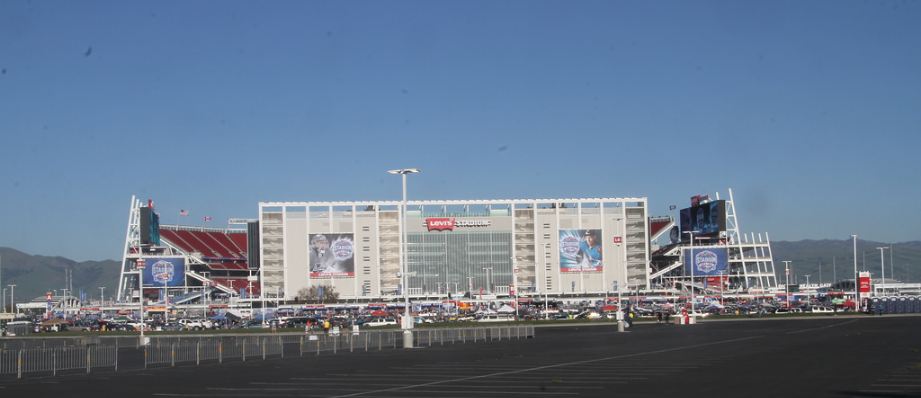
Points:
point(882, 267)
point(691, 262)
point(407, 317)
point(786, 286)
point(856, 278)
point(12, 298)
point(102, 295)
point(140, 264)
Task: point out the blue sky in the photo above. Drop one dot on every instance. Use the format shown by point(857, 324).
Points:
point(810, 111)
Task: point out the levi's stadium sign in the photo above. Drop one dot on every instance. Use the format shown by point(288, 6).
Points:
point(449, 223)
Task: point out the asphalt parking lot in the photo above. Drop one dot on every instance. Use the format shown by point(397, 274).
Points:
point(868, 357)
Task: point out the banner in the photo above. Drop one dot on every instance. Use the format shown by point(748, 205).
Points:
point(708, 261)
point(332, 255)
point(164, 271)
point(580, 250)
point(865, 283)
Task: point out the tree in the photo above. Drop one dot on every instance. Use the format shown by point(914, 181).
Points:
point(318, 294)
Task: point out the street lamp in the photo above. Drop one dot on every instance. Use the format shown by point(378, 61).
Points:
point(786, 286)
point(12, 298)
point(140, 264)
point(691, 262)
point(882, 266)
point(856, 277)
point(407, 317)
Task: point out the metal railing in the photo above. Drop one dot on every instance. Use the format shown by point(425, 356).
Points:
point(51, 356)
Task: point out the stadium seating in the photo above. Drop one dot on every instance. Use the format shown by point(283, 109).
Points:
point(222, 251)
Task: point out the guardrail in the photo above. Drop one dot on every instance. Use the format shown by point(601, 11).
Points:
point(61, 355)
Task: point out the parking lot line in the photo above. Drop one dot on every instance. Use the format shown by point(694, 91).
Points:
point(823, 327)
point(586, 361)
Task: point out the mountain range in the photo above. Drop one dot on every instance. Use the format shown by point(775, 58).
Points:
point(822, 260)
point(34, 275)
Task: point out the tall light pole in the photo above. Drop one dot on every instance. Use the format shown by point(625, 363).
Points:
point(856, 277)
point(882, 267)
point(140, 264)
point(786, 266)
point(407, 317)
point(12, 298)
point(691, 262)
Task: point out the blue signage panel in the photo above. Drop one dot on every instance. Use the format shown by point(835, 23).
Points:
point(708, 261)
point(164, 271)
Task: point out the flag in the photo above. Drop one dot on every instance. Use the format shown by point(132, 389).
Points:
point(183, 213)
point(207, 218)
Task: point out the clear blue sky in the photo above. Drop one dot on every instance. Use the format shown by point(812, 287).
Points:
point(811, 111)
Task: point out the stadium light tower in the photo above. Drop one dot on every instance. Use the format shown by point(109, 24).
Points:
point(407, 317)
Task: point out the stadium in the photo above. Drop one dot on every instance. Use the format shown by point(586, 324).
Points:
point(482, 249)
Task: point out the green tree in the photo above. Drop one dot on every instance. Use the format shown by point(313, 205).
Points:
point(318, 294)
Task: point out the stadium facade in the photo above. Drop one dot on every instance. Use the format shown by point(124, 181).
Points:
point(501, 248)
point(563, 248)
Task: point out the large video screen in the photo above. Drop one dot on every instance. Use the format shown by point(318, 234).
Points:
point(580, 250)
point(164, 271)
point(708, 219)
point(332, 255)
point(150, 227)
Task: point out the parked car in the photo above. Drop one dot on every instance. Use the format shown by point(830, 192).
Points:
point(195, 324)
point(381, 322)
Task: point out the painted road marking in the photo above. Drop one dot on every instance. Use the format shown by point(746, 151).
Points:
point(586, 361)
point(823, 327)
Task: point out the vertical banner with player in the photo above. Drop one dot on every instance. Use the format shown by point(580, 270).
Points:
point(580, 250)
point(332, 255)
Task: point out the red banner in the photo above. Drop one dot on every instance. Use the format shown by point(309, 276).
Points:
point(440, 223)
point(864, 283)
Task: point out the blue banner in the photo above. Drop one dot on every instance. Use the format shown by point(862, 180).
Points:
point(164, 271)
point(708, 261)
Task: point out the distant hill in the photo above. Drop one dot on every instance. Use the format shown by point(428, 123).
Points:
point(34, 275)
point(808, 255)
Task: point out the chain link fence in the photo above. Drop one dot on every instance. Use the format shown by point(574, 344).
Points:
point(51, 356)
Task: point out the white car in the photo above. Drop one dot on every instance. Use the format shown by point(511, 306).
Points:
point(195, 324)
point(821, 310)
point(381, 322)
